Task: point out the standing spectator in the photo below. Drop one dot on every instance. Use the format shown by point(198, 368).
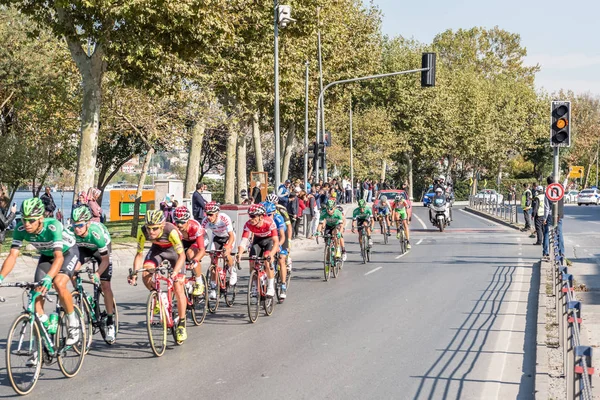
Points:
point(548, 223)
point(292, 209)
point(348, 191)
point(256, 193)
point(308, 185)
point(283, 192)
point(59, 215)
point(93, 196)
point(198, 202)
point(244, 197)
point(538, 214)
point(301, 208)
point(526, 206)
point(365, 190)
point(7, 215)
point(48, 201)
point(312, 214)
point(81, 200)
point(370, 192)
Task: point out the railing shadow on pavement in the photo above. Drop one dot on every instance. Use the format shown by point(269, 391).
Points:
point(447, 376)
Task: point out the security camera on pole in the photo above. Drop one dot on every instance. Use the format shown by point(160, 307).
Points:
point(560, 136)
point(283, 17)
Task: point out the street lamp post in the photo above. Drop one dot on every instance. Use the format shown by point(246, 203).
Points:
point(306, 129)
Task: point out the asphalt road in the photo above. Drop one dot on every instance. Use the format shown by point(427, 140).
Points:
point(453, 318)
point(581, 228)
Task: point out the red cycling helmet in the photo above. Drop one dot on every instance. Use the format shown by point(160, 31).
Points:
point(182, 214)
point(256, 209)
point(212, 207)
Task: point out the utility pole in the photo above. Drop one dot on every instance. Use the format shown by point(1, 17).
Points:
point(277, 165)
point(351, 154)
point(320, 116)
point(306, 129)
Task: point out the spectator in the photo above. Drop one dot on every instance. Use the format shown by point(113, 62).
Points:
point(93, 196)
point(548, 223)
point(526, 206)
point(256, 193)
point(284, 193)
point(59, 215)
point(48, 201)
point(198, 202)
point(245, 200)
point(308, 185)
point(312, 214)
point(292, 209)
point(370, 192)
point(301, 209)
point(81, 200)
point(538, 214)
point(7, 215)
point(167, 208)
point(365, 190)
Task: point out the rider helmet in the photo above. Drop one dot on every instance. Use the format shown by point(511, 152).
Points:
point(32, 208)
point(270, 208)
point(155, 217)
point(273, 198)
point(441, 178)
point(81, 214)
point(362, 203)
point(212, 207)
point(330, 204)
point(398, 197)
point(439, 190)
point(256, 209)
point(182, 214)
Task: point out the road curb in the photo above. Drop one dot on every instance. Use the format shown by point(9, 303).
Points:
point(492, 218)
point(541, 382)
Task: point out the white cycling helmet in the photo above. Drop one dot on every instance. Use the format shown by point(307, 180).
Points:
point(439, 190)
point(442, 178)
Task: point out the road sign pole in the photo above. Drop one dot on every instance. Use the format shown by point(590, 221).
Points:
point(556, 178)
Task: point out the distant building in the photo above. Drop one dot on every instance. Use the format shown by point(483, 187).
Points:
point(131, 166)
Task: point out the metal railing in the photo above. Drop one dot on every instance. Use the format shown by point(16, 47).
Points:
point(490, 205)
point(577, 358)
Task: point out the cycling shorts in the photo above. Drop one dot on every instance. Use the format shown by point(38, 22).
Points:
point(86, 254)
point(219, 242)
point(329, 230)
point(188, 244)
point(402, 213)
point(285, 247)
point(156, 255)
point(68, 266)
point(385, 211)
point(261, 247)
point(360, 222)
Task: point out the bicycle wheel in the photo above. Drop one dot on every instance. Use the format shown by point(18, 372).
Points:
point(230, 290)
point(269, 305)
point(253, 297)
point(102, 316)
point(326, 260)
point(363, 247)
point(70, 358)
point(335, 266)
point(156, 324)
point(24, 343)
point(213, 304)
point(199, 305)
point(86, 311)
point(385, 229)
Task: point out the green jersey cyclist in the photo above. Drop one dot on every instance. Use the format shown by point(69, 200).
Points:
point(331, 222)
point(363, 216)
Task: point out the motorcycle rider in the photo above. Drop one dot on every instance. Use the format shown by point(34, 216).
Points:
point(439, 195)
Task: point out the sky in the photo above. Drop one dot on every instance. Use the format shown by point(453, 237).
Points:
point(563, 37)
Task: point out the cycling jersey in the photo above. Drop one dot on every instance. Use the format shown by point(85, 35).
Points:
point(170, 237)
point(382, 209)
point(362, 215)
point(97, 238)
point(221, 227)
point(279, 222)
point(267, 229)
point(194, 236)
point(283, 212)
point(332, 220)
point(400, 205)
point(52, 237)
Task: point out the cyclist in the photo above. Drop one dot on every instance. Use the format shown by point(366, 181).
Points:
point(273, 198)
point(271, 210)
point(166, 245)
point(399, 214)
point(331, 222)
point(363, 216)
point(223, 238)
point(59, 259)
point(93, 240)
point(383, 211)
point(265, 239)
point(192, 238)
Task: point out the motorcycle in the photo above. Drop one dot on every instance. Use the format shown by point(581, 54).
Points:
point(439, 212)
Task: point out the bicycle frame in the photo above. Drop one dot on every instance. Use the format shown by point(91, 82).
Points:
point(158, 278)
point(259, 266)
point(215, 256)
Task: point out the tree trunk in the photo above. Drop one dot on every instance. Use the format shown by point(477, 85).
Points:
point(383, 168)
point(193, 165)
point(242, 177)
point(230, 166)
point(409, 167)
point(138, 193)
point(287, 154)
point(257, 146)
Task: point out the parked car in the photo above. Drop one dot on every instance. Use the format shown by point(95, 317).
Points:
point(588, 196)
point(391, 195)
point(571, 196)
point(490, 195)
point(427, 197)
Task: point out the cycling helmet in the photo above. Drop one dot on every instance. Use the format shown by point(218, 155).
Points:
point(273, 198)
point(442, 178)
point(32, 208)
point(81, 214)
point(155, 217)
point(362, 203)
point(212, 207)
point(439, 190)
point(182, 214)
point(398, 197)
point(330, 204)
point(270, 208)
point(256, 209)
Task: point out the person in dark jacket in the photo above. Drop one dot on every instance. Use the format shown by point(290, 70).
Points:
point(537, 212)
point(198, 202)
point(256, 193)
point(7, 216)
point(48, 201)
point(292, 209)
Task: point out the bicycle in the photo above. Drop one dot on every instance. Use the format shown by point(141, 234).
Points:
point(331, 263)
point(278, 281)
point(219, 274)
point(365, 249)
point(384, 228)
point(93, 307)
point(28, 338)
point(257, 290)
point(197, 305)
point(166, 317)
point(402, 237)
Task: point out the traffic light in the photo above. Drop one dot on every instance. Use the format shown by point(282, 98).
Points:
point(321, 153)
point(560, 128)
point(428, 76)
point(313, 152)
point(284, 15)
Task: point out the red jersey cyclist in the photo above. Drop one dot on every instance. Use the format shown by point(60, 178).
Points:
point(192, 238)
point(265, 240)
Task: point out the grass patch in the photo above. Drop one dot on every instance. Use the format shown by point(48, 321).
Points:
point(120, 231)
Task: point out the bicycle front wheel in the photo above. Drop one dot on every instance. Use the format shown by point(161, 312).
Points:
point(86, 311)
point(23, 354)
point(253, 297)
point(156, 324)
point(363, 248)
point(213, 304)
point(385, 232)
point(199, 305)
point(326, 262)
point(230, 290)
point(70, 357)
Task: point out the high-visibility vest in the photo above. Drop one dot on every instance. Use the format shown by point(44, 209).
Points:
point(524, 198)
point(540, 211)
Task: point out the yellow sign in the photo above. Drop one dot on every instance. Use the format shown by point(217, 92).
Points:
point(576, 172)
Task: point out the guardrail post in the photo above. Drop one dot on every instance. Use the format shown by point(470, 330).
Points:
point(567, 286)
point(582, 361)
point(574, 311)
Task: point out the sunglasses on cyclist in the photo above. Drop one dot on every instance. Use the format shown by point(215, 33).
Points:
point(254, 216)
point(210, 215)
point(81, 225)
point(153, 228)
point(180, 223)
point(29, 220)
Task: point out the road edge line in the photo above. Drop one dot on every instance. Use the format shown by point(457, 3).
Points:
point(491, 218)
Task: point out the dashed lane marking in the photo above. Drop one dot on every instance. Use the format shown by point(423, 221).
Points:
point(420, 221)
point(374, 270)
point(401, 255)
point(420, 241)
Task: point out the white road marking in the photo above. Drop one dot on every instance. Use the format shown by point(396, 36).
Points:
point(420, 241)
point(401, 255)
point(420, 221)
point(594, 222)
point(374, 270)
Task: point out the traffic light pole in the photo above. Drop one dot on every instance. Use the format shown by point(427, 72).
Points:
point(276, 100)
point(556, 178)
point(306, 131)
